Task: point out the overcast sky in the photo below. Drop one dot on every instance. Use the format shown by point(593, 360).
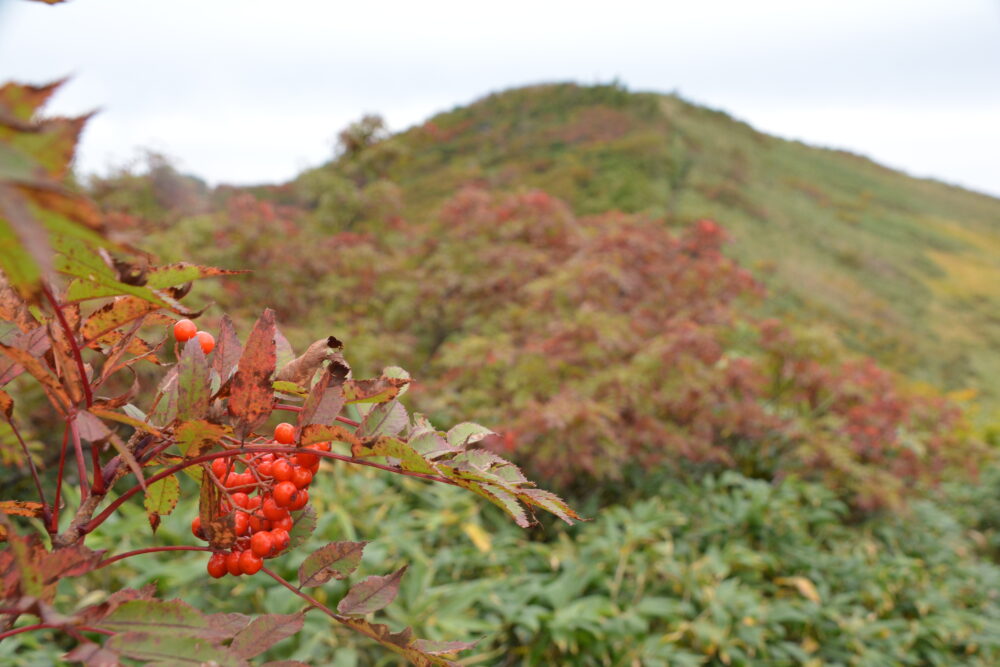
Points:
point(244, 91)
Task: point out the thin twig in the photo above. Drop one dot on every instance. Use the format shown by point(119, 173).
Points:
point(59, 482)
point(31, 465)
point(81, 463)
point(88, 395)
point(148, 550)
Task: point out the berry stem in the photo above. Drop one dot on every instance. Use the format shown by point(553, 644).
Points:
point(31, 466)
point(148, 550)
point(54, 528)
point(117, 502)
point(88, 395)
point(81, 463)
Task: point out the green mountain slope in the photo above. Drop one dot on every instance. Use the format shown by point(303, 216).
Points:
point(905, 269)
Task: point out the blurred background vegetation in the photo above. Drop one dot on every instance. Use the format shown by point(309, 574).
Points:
point(767, 371)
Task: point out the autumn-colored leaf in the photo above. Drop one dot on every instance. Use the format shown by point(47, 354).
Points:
point(384, 419)
point(161, 497)
point(302, 529)
point(402, 642)
point(193, 387)
point(219, 530)
point(376, 390)
point(198, 436)
point(6, 404)
point(175, 274)
point(251, 396)
point(372, 594)
point(21, 101)
point(21, 508)
point(227, 349)
point(409, 458)
point(326, 399)
point(264, 632)
point(50, 384)
point(321, 433)
point(117, 313)
point(302, 369)
point(336, 560)
point(172, 649)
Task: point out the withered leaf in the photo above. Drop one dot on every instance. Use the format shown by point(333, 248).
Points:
point(251, 395)
point(372, 594)
point(302, 369)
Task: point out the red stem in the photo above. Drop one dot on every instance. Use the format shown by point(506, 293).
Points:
point(148, 550)
point(81, 463)
point(31, 465)
point(305, 596)
point(351, 422)
point(88, 395)
point(97, 486)
point(117, 502)
point(59, 481)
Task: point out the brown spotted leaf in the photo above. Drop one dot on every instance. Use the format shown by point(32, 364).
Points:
point(402, 642)
point(320, 433)
point(326, 398)
point(264, 632)
point(302, 369)
point(372, 594)
point(119, 312)
point(193, 386)
point(336, 560)
point(252, 395)
point(376, 390)
point(198, 436)
point(21, 508)
point(227, 349)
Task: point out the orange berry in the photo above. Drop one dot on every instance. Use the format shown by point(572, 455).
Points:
point(305, 460)
point(206, 340)
point(219, 467)
point(282, 470)
point(299, 501)
point(239, 499)
point(217, 565)
point(262, 543)
point(233, 563)
point(302, 477)
point(285, 493)
point(250, 563)
point(284, 433)
point(185, 330)
point(272, 510)
point(241, 523)
point(282, 524)
point(281, 539)
point(196, 528)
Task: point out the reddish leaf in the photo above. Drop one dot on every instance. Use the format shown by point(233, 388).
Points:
point(193, 386)
point(326, 399)
point(336, 560)
point(442, 648)
point(376, 390)
point(227, 349)
point(89, 653)
point(264, 632)
point(180, 648)
point(52, 387)
point(372, 594)
point(6, 404)
point(96, 612)
point(72, 561)
point(402, 643)
point(251, 396)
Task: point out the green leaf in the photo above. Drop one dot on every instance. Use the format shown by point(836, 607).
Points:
point(161, 618)
point(162, 496)
point(335, 560)
point(376, 390)
point(372, 594)
point(302, 529)
point(177, 274)
point(172, 649)
point(467, 433)
point(409, 458)
point(198, 436)
point(290, 388)
point(397, 373)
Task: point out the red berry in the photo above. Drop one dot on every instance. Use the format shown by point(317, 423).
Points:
point(254, 503)
point(285, 493)
point(184, 330)
point(206, 340)
point(284, 433)
point(219, 467)
point(302, 477)
point(299, 501)
point(233, 563)
point(305, 460)
point(281, 470)
point(217, 565)
point(196, 528)
point(281, 539)
point(320, 446)
point(239, 499)
point(265, 468)
point(257, 524)
point(262, 543)
point(241, 523)
point(250, 563)
point(272, 511)
point(283, 524)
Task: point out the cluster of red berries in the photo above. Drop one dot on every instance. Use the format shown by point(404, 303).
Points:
point(263, 490)
point(185, 330)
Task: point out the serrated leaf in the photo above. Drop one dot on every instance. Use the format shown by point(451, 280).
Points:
point(502, 498)
point(123, 310)
point(173, 649)
point(198, 436)
point(290, 388)
point(264, 632)
point(161, 617)
point(303, 527)
point(227, 349)
point(251, 395)
point(376, 390)
point(372, 594)
point(442, 648)
point(325, 399)
point(397, 373)
point(336, 560)
point(177, 274)
point(193, 386)
point(409, 458)
point(162, 496)
point(321, 433)
point(467, 433)
point(550, 502)
point(384, 419)
point(402, 643)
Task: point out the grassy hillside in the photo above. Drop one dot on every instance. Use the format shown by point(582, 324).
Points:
point(905, 269)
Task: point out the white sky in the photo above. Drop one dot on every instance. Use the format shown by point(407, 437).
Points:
point(245, 91)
